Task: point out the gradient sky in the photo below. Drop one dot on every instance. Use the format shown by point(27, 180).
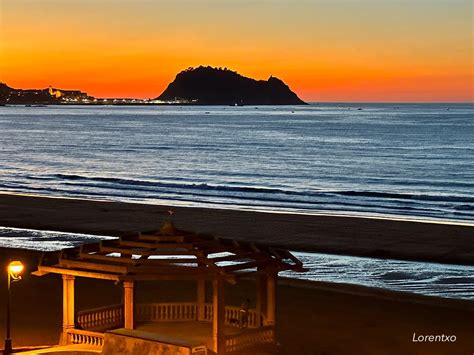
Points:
point(326, 50)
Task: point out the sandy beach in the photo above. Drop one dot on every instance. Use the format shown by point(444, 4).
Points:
point(313, 317)
point(331, 234)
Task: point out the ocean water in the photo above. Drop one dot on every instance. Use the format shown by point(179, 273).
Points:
point(409, 160)
point(447, 281)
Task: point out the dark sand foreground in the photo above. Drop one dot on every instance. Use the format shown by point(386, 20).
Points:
point(313, 317)
point(331, 234)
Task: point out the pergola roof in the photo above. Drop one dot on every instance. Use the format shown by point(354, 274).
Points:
point(167, 254)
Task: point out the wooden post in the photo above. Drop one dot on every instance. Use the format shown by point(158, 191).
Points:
point(271, 298)
point(128, 304)
point(260, 297)
point(68, 306)
point(201, 299)
point(218, 315)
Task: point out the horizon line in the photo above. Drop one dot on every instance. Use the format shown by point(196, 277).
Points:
point(312, 101)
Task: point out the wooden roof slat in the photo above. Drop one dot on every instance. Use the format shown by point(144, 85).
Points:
point(243, 266)
point(93, 275)
point(92, 266)
point(162, 238)
point(168, 261)
point(148, 277)
point(191, 257)
point(208, 243)
point(147, 252)
point(169, 270)
point(114, 259)
point(234, 257)
point(130, 243)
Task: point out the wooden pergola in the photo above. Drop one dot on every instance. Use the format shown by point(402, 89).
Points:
point(171, 254)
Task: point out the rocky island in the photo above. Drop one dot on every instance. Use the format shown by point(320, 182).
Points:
point(193, 86)
point(217, 86)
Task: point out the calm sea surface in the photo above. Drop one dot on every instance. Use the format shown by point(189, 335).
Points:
point(412, 160)
point(406, 160)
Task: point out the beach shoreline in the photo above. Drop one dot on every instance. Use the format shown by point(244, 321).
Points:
point(313, 317)
point(344, 235)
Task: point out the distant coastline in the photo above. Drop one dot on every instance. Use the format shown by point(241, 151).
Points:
point(193, 86)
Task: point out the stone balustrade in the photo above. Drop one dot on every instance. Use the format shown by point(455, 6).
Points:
point(78, 336)
point(158, 312)
point(102, 318)
point(106, 318)
point(247, 339)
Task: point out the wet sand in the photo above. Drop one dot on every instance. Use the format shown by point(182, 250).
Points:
point(331, 234)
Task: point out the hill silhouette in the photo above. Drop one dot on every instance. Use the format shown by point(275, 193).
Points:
point(48, 96)
point(217, 86)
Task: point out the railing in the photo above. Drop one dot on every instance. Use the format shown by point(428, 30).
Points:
point(208, 312)
point(77, 336)
point(102, 318)
point(153, 312)
point(108, 317)
point(233, 317)
point(249, 338)
point(105, 318)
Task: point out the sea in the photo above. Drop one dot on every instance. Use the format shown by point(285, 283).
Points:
point(401, 161)
point(406, 160)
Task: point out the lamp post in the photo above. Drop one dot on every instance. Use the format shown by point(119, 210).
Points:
point(15, 268)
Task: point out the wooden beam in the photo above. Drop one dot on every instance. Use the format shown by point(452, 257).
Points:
point(39, 273)
point(167, 277)
point(243, 266)
point(162, 238)
point(129, 243)
point(293, 258)
point(234, 257)
point(92, 275)
point(89, 248)
point(168, 261)
point(274, 253)
point(148, 252)
point(168, 270)
point(208, 243)
point(107, 258)
point(93, 266)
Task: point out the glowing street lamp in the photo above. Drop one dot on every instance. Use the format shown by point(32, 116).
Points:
point(15, 268)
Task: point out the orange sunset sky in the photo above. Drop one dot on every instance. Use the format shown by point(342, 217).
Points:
point(325, 50)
